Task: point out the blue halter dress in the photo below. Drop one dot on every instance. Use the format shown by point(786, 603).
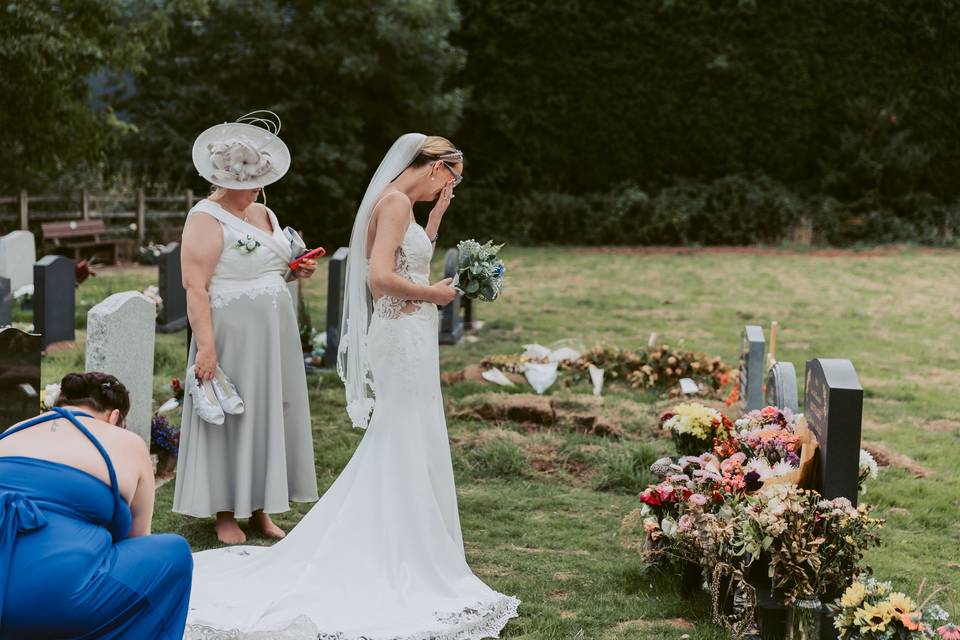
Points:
point(67, 566)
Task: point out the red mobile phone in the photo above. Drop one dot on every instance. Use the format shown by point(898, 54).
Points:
point(319, 252)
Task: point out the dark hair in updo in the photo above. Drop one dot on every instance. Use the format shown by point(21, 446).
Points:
point(98, 391)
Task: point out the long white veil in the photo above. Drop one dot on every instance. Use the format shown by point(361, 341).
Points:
point(353, 363)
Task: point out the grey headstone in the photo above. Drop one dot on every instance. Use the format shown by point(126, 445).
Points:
point(19, 376)
point(54, 299)
point(173, 313)
point(752, 346)
point(833, 406)
point(18, 252)
point(451, 320)
point(782, 387)
point(336, 281)
point(120, 341)
point(6, 302)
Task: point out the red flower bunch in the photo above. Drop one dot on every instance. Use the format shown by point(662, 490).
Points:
point(177, 387)
point(664, 494)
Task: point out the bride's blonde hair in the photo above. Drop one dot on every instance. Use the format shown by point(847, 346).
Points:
point(437, 148)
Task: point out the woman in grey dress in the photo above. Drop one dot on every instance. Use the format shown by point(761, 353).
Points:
point(250, 461)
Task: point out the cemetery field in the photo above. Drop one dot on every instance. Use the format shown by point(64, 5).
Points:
point(541, 508)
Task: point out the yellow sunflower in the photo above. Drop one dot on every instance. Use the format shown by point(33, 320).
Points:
point(854, 595)
point(901, 603)
point(875, 617)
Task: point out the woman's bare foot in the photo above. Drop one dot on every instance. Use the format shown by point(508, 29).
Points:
point(228, 531)
point(262, 522)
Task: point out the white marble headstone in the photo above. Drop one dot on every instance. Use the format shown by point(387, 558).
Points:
point(18, 252)
point(120, 341)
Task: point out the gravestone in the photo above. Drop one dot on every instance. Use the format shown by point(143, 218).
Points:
point(19, 376)
point(752, 345)
point(172, 315)
point(17, 254)
point(336, 281)
point(120, 341)
point(833, 406)
point(781, 391)
point(451, 320)
point(6, 302)
point(54, 299)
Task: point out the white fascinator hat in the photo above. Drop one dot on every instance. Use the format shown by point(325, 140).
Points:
point(245, 154)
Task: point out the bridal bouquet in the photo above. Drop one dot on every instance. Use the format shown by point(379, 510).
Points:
point(480, 272)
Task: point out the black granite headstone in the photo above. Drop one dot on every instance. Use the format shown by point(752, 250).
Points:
point(336, 281)
point(752, 346)
point(6, 302)
point(173, 312)
point(19, 376)
point(781, 391)
point(54, 299)
point(451, 320)
point(833, 406)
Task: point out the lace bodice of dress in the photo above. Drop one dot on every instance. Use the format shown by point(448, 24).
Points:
point(412, 263)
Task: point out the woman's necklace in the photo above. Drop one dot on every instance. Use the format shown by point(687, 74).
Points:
point(243, 216)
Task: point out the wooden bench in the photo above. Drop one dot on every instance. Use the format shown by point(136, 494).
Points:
point(77, 235)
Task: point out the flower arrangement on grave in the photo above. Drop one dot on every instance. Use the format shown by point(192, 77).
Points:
point(176, 388)
point(868, 470)
point(811, 546)
point(871, 610)
point(659, 368)
point(695, 428)
point(49, 396)
point(164, 442)
point(150, 254)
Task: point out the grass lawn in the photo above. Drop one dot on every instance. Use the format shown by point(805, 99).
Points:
point(534, 521)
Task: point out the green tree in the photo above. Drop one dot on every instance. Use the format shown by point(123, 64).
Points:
point(346, 77)
point(49, 53)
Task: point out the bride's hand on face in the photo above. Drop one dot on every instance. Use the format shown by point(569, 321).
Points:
point(443, 200)
point(443, 293)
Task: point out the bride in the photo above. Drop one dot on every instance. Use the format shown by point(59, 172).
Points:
point(380, 556)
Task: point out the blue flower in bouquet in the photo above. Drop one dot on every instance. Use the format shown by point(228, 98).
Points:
point(480, 272)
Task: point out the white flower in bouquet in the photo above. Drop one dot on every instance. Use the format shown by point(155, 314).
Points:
point(480, 272)
point(868, 466)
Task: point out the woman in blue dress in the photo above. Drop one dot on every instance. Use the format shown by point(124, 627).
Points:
point(76, 503)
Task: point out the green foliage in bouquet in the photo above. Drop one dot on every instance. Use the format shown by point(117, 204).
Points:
point(480, 272)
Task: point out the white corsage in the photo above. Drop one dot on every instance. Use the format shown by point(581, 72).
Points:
point(249, 244)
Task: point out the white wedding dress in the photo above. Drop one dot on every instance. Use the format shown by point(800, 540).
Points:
point(380, 556)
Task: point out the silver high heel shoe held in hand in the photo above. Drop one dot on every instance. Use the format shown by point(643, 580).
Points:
point(205, 402)
point(227, 393)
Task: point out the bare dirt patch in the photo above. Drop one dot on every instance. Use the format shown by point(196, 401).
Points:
point(940, 426)
point(887, 458)
point(676, 623)
point(538, 412)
